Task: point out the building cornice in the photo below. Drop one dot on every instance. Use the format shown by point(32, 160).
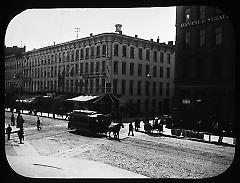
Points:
point(101, 38)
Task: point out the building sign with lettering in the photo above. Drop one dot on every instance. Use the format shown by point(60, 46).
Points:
point(94, 75)
point(203, 21)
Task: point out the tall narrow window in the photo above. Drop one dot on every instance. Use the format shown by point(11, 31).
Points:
point(131, 69)
point(167, 89)
point(124, 68)
point(115, 53)
point(72, 55)
point(140, 53)
point(91, 67)
point(81, 53)
point(147, 70)
point(154, 88)
point(104, 49)
point(124, 51)
point(103, 66)
point(98, 51)
point(97, 67)
point(103, 85)
point(77, 54)
point(154, 71)
point(147, 88)
point(202, 38)
point(187, 38)
point(147, 54)
point(115, 67)
point(161, 57)
point(123, 87)
point(202, 12)
point(115, 82)
point(160, 88)
point(218, 32)
point(76, 69)
point(139, 88)
point(97, 86)
point(139, 69)
point(168, 58)
point(91, 85)
point(86, 68)
point(131, 52)
point(161, 72)
point(81, 68)
point(68, 55)
point(92, 52)
point(168, 72)
point(86, 86)
point(155, 56)
point(131, 88)
point(87, 53)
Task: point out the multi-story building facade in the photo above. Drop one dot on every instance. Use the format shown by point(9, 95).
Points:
point(205, 70)
point(108, 62)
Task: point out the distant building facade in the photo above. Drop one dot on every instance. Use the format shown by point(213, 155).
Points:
point(98, 64)
point(205, 65)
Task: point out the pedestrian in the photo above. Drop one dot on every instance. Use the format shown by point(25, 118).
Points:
point(136, 125)
point(8, 131)
point(220, 132)
point(18, 120)
point(130, 129)
point(12, 119)
point(21, 121)
point(20, 135)
point(38, 124)
point(21, 129)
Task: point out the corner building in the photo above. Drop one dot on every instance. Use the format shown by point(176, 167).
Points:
point(103, 63)
point(205, 67)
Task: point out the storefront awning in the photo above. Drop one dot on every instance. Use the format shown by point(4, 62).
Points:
point(82, 98)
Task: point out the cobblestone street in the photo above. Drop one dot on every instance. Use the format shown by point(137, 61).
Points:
point(154, 157)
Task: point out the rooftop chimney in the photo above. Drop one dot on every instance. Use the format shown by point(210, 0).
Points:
point(158, 39)
point(118, 28)
point(91, 34)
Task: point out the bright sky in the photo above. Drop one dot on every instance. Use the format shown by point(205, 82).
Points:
point(37, 28)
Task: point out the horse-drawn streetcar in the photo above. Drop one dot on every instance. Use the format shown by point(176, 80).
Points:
point(88, 121)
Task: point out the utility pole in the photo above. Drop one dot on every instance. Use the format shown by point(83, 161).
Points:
point(77, 30)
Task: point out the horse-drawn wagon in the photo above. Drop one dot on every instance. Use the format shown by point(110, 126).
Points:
point(148, 127)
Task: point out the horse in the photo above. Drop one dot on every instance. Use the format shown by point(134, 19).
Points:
point(115, 129)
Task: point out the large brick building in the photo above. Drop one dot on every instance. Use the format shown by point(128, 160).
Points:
point(94, 65)
point(205, 66)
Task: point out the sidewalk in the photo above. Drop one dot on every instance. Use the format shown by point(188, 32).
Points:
point(29, 163)
point(213, 138)
point(43, 114)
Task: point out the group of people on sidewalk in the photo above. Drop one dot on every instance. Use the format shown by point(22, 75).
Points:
point(19, 125)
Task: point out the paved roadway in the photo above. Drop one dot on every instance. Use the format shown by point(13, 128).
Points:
point(154, 157)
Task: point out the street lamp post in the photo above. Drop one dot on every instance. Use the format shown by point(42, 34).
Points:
point(149, 76)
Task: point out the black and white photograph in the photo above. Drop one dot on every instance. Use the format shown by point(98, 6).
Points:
point(126, 93)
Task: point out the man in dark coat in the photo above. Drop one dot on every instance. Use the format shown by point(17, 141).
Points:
point(12, 119)
point(18, 120)
point(130, 129)
point(20, 135)
point(38, 123)
point(8, 131)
